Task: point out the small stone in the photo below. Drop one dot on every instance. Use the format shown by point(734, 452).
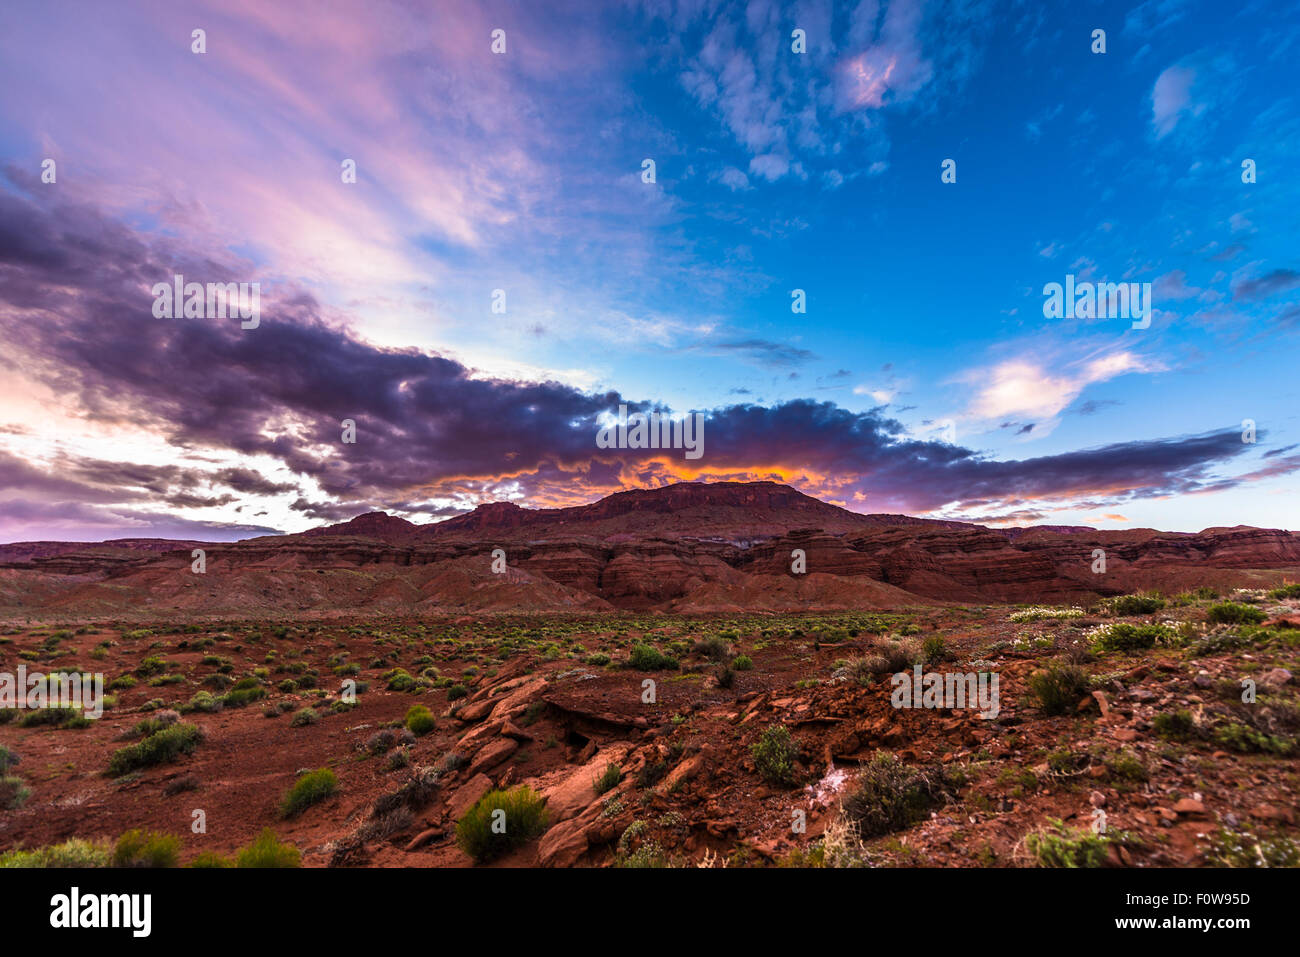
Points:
point(1275, 678)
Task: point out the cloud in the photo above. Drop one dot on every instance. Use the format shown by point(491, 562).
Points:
point(1023, 387)
point(1171, 99)
point(432, 434)
point(762, 352)
point(1269, 284)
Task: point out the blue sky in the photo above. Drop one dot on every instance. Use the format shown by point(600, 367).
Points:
point(775, 171)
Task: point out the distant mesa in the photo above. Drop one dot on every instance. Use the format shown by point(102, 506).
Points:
point(691, 548)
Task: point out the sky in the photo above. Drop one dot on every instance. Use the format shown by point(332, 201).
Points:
point(507, 269)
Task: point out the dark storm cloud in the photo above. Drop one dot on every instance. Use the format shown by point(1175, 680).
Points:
point(763, 352)
point(1269, 284)
point(75, 296)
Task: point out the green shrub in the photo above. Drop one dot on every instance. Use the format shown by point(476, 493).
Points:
point(1174, 725)
point(312, 788)
point(1248, 740)
point(58, 717)
point(1123, 636)
point(166, 745)
point(649, 658)
point(303, 718)
point(7, 759)
point(1286, 591)
point(774, 756)
point(209, 860)
point(1135, 604)
point(1233, 613)
point(138, 848)
point(1061, 846)
point(1058, 687)
point(399, 680)
point(419, 720)
point(150, 666)
point(743, 663)
point(608, 779)
point(890, 796)
point(935, 649)
point(484, 834)
point(245, 691)
point(13, 793)
point(456, 692)
point(73, 853)
point(203, 701)
point(268, 851)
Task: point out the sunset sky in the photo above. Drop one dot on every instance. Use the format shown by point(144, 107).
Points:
point(522, 171)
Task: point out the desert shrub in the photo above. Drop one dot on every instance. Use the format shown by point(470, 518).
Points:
point(743, 663)
point(203, 701)
point(419, 790)
point(303, 718)
point(890, 796)
point(162, 719)
point(651, 773)
point(162, 746)
point(1059, 846)
point(451, 761)
point(7, 759)
point(57, 717)
point(1248, 740)
point(900, 655)
point(1243, 848)
point(524, 818)
point(714, 648)
point(456, 692)
point(1058, 687)
point(1040, 612)
point(150, 666)
point(1135, 604)
point(419, 720)
point(288, 686)
point(268, 851)
point(1286, 591)
point(312, 788)
point(1174, 725)
point(863, 670)
point(399, 680)
point(1123, 636)
point(73, 853)
point(245, 691)
point(598, 660)
point(649, 658)
point(774, 756)
point(381, 742)
point(1234, 613)
point(935, 649)
point(210, 860)
point(13, 793)
point(608, 779)
point(138, 848)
